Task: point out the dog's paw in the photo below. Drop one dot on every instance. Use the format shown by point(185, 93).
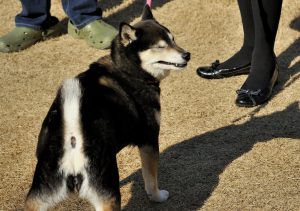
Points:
point(160, 196)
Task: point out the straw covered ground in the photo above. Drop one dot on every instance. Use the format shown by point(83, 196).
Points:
point(214, 156)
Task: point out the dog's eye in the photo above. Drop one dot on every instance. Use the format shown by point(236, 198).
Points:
point(160, 46)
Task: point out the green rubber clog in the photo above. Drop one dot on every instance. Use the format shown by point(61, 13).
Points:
point(97, 34)
point(21, 38)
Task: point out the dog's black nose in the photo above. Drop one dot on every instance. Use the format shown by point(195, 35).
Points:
point(186, 56)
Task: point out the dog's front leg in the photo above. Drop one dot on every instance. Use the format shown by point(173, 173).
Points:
point(149, 157)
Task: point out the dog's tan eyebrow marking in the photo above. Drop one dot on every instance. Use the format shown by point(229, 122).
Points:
point(161, 44)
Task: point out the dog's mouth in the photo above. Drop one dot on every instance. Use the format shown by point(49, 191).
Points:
point(180, 65)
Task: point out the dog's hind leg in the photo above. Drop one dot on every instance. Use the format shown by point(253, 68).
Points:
point(107, 203)
point(41, 201)
point(101, 188)
point(149, 157)
point(47, 189)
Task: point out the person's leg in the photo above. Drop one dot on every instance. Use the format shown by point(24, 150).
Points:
point(264, 71)
point(86, 23)
point(240, 62)
point(82, 12)
point(266, 18)
point(33, 24)
point(243, 56)
point(34, 13)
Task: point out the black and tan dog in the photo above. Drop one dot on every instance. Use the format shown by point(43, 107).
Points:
point(115, 103)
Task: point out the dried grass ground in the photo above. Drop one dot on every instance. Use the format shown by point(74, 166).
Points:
point(214, 156)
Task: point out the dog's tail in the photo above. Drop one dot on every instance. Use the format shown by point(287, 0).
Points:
point(71, 96)
point(71, 93)
point(74, 160)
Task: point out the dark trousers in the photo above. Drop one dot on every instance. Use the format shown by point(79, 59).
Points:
point(36, 12)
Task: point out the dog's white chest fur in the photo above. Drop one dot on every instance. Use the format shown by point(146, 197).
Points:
point(73, 160)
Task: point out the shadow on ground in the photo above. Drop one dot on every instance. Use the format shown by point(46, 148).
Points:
point(194, 165)
point(290, 71)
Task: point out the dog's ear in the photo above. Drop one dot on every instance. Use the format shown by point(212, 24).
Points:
point(147, 14)
point(127, 33)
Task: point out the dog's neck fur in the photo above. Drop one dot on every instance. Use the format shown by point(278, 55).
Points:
point(121, 58)
point(129, 63)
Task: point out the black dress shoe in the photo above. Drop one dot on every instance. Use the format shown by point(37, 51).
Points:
point(250, 98)
point(214, 72)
